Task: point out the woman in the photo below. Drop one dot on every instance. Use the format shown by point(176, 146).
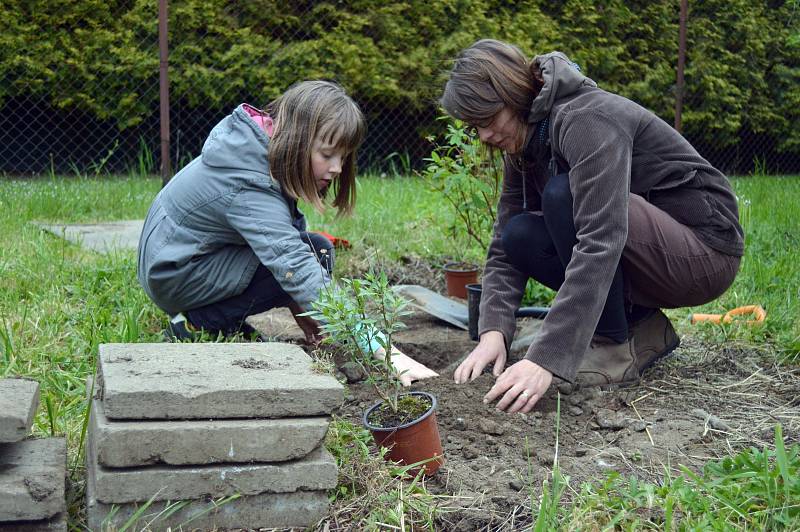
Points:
point(602, 201)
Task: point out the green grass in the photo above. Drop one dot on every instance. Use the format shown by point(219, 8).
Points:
point(58, 303)
point(758, 489)
point(397, 218)
point(770, 272)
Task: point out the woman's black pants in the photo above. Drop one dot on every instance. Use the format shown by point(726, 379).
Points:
point(540, 246)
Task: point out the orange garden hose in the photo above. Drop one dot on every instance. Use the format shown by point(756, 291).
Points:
point(757, 311)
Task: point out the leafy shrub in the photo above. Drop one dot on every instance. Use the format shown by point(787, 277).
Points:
point(468, 176)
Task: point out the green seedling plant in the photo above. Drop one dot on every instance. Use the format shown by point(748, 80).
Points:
point(353, 312)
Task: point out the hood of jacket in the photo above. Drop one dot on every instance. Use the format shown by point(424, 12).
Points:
point(561, 78)
point(237, 142)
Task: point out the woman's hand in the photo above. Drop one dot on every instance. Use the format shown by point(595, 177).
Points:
point(407, 368)
point(491, 348)
point(521, 386)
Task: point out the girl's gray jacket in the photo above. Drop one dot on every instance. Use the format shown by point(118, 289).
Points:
point(221, 215)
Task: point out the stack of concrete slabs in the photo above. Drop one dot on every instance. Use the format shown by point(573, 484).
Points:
point(209, 436)
point(32, 472)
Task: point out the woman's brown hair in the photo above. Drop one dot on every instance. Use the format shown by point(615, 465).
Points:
point(308, 111)
point(488, 76)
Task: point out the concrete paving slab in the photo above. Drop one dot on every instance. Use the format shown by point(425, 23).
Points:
point(300, 510)
point(58, 523)
point(213, 381)
point(32, 479)
point(316, 471)
point(277, 325)
point(19, 399)
point(141, 443)
point(101, 237)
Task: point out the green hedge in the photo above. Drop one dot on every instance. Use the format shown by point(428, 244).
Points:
point(743, 69)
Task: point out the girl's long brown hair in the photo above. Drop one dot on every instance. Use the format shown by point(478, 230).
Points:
point(309, 111)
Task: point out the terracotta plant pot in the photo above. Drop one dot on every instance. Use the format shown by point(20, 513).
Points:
point(458, 275)
point(411, 442)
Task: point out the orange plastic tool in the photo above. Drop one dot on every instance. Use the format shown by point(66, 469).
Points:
point(757, 311)
point(337, 241)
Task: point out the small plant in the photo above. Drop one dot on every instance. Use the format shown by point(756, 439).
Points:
point(361, 315)
point(467, 174)
point(399, 164)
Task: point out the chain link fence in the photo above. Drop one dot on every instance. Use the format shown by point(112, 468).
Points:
point(56, 122)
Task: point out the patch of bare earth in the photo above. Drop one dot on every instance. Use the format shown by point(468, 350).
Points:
point(701, 403)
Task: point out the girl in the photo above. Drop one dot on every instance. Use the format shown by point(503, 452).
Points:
point(224, 239)
point(602, 201)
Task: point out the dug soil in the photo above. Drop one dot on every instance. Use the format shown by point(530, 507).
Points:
point(701, 403)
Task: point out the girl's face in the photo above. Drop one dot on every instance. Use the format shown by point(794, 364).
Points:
point(505, 132)
point(326, 163)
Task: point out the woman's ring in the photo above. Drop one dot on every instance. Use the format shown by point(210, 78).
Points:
point(524, 394)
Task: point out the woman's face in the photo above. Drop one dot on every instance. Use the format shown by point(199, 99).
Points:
point(505, 132)
point(326, 163)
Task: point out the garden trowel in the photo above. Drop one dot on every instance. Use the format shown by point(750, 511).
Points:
point(437, 305)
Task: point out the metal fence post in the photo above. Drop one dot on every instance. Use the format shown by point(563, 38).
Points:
point(681, 63)
point(163, 84)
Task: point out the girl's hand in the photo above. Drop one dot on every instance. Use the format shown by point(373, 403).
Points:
point(407, 368)
point(491, 348)
point(309, 326)
point(521, 386)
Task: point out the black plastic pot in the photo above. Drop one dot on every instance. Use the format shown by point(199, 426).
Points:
point(474, 308)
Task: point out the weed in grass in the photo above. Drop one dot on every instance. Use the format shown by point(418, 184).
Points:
point(547, 515)
point(145, 161)
point(146, 519)
point(7, 344)
point(399, 164)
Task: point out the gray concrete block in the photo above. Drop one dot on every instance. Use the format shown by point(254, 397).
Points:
point(57, 523)
point(32, 479)
point(316, 471)
point(277, 325)
point(198, 442)
point(300, 509)
point(213, 381)
point(19, 399)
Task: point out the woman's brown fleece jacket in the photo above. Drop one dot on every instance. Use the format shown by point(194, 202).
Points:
point(613, 147)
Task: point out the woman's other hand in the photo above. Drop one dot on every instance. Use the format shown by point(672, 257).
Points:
point(491, 348)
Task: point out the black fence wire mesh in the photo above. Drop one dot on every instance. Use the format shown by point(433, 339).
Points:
point(106, 121)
